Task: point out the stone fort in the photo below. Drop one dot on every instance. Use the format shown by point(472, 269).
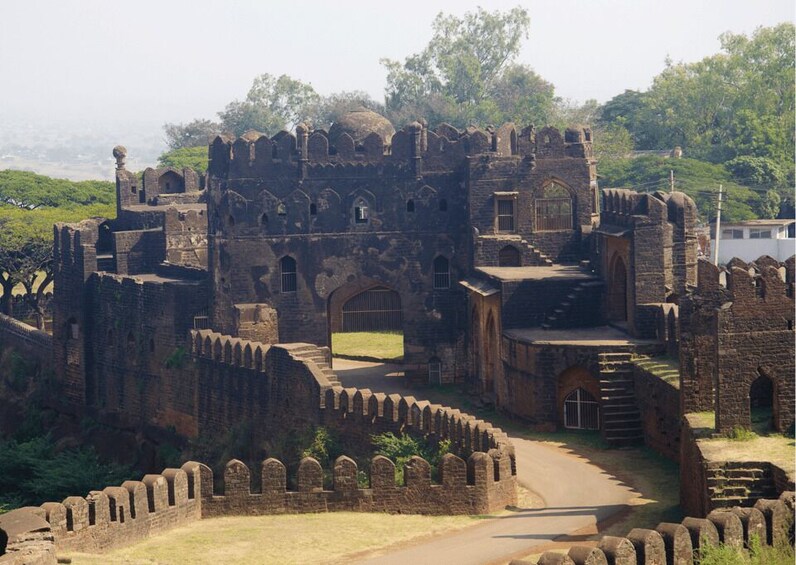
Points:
point(212, 298)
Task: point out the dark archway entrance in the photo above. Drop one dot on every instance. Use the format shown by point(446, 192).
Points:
point(509, 256)
point(617, 291)
point(761, 404)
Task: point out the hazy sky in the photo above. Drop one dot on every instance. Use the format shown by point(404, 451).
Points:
point(152, 61)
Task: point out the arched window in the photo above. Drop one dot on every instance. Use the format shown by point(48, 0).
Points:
point(509, 256)
point(361, 211)
point(410, 206)
point(581, 411)
point(553, 208)
point(442, 273)
point(288, 269)
point(443, 205)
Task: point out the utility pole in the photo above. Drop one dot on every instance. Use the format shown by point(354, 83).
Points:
point(671, 180)
point(718, 230)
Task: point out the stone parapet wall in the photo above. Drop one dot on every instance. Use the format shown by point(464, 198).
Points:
point(480, 485)
point(769, 522)
point(26, 339)
point(233, 371)
point(659, 404)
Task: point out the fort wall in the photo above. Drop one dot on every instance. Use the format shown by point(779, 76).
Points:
point(659, 404)
point(769, 522)
point(32, 343)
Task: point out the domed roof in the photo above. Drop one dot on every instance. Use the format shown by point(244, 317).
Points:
point(359, 123)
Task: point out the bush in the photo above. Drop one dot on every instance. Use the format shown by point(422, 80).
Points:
point(757, 554)
point(739, 433)
point(400, 449)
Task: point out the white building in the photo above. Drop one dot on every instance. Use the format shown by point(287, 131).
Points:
point(750, 239)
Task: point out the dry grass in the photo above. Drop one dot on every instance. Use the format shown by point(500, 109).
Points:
point(369, 346)
point(302, 538)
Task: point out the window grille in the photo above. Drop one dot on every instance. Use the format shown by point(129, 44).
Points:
point(201, 321)
point(442, 273)
point(553, 208)
point(288, 268)
point(505, 215)
point(581, 411)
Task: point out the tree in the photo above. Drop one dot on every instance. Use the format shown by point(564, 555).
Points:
point(465, 74)
point(769, 205)
point(272, 104)
point(328, 109)
point(192, 157)
point(193, 134)
point(27, 190)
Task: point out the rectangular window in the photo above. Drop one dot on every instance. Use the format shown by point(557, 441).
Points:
point(732, 234)
point(361, 214)
point(435, 373)
point(505, 215)
point(759, 233)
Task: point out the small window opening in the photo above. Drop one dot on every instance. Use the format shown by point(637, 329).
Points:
point(264, 221)
point(168, 186)
point(281, 209)
point(443, 205)
point(313, 209)
point(151, 345)
point(434, 371)
point(410, 206)
point(790, 325)
point(133, 189)
point(231, 221)
point(288, 268)
point(442, 274)
point(361, 212)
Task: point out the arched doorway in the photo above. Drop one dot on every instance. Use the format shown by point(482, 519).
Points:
point(617, 291)
point(509, 256)
point(366, 322)
point(761, 403)
point(581, 411)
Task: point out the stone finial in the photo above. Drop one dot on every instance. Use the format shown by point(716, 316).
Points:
point(120, 154)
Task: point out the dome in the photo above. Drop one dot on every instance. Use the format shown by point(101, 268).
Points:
point(359, 123)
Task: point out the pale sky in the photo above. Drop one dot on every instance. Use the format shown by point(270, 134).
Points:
point(150, 61)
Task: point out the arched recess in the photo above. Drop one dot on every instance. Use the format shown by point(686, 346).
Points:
point(171, 182)
point(617, 290)
point(509, 256)
point(491, 354)
point(577, 399)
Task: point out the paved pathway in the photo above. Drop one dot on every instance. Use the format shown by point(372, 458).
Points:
point(576, 494)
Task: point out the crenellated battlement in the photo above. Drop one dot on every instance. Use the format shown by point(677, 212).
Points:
point(354, 412)
point(481, 485)
point(626, 207)
point(762, 280)
point(255, 155)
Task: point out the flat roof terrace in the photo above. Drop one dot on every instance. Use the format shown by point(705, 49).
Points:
point(600, 336)
point(569, 272)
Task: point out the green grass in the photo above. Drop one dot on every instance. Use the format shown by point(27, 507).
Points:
point(664, 367)
point(369, 346)
point(757, 554)
point(335, 537)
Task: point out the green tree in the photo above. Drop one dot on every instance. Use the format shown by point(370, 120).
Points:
point(192, 157)
point(466, 74)
point(272, 104)
point(29, 190)
point(195, 133)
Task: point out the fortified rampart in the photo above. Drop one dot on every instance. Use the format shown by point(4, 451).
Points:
point(290, 386)
point(736, 333)
point(33, 343)
point(768, 523)
point(136, 510)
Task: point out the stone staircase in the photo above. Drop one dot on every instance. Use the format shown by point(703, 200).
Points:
point(580, 308)
point(490, 245)
point(621, 419)
point(735, 483)
point(318, 356)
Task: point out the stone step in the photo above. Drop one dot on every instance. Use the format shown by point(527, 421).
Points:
point(630, 423)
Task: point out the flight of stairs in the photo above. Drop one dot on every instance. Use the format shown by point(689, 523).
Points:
point(734, 483)
point(581, 308)
point(621, 424)
point(539, 258)
point(318, 356)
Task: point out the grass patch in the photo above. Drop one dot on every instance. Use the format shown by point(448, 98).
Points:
point(664, 367)
point(741, 434)
point(333, 537)
point(369, 346)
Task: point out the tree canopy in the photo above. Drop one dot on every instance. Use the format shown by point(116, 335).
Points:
point(23, 189)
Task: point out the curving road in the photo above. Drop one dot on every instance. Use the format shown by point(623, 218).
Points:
point(576, 494)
